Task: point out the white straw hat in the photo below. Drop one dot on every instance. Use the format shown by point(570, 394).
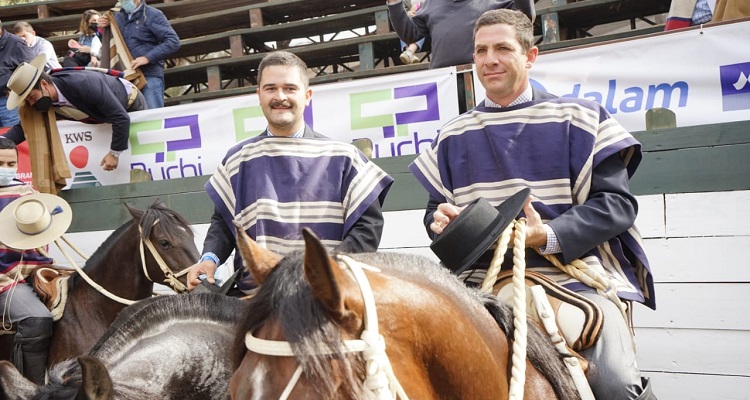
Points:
point(34, 220)
point(23, 80)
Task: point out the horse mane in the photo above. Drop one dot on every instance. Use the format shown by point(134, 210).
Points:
point(150, 315)
point(156, 313)
point(98, 256)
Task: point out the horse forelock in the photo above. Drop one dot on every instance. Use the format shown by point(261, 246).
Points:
point(287, 299)
point(172, 223)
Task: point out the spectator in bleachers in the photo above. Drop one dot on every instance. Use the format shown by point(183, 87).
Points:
point(150, 39)
point(409, 56)
point(13, 51)
point(448, 24)
point(86, 51)
point(38, 45)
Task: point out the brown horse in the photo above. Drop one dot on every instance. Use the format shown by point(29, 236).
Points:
point(116, 266)
point(438, 335)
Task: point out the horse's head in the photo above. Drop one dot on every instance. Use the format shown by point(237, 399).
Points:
point(167, 244)
point(437, 336)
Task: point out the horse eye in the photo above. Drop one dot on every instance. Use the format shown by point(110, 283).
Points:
point(165, 244)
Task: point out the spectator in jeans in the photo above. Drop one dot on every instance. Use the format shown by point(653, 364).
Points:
point(38, 45)
point(150, 39)
point(13, 51)
point(86, 51)
point(411, 49)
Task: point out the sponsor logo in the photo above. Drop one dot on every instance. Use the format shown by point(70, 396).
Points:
point(404, 105)
point(165, 140)
point(735, 86)
point(634, 98)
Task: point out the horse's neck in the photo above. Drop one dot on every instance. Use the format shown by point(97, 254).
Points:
point(117, 267)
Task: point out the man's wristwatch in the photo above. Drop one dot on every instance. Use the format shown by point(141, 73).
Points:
point(115, 154)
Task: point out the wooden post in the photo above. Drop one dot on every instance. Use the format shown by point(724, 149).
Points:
point(256, 18)
point(236, 45)
point(366, 57)
point(214, 78)
point(382, 25)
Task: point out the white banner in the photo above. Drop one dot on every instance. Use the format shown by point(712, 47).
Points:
point(401, 114)
point(700, 74)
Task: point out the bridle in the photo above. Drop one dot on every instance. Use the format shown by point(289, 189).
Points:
point(170, 277)
point(380, 382)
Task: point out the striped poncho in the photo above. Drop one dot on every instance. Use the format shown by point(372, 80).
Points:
point(275, 186)
point(15, 265)
point(552, 147)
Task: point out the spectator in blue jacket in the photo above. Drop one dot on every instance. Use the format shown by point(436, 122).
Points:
point(13, 51)
point(150, 39)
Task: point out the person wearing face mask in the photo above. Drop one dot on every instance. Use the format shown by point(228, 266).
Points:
point(150, 40)
point(290, 177)
point(86, 50)
point(81, 95)
point(19, 303)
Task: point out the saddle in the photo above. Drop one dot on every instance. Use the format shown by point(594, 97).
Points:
point(579, 320)
point(51, 285)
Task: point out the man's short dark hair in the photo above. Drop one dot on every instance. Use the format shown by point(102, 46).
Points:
point(287, 59)
point(516, 19)
point(6, 143)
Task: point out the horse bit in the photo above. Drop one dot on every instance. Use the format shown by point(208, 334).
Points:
point(380, 382)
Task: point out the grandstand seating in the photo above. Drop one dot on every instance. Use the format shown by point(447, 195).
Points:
point(224, 40)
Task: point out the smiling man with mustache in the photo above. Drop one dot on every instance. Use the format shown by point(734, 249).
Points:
point(290, 177)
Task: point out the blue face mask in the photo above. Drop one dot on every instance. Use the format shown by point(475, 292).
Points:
point(128, 5)
point(7, 175)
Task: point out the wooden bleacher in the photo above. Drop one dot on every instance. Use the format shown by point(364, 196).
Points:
point(224, 40)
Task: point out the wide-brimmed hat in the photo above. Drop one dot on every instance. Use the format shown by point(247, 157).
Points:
point(23, 80)
point(34, 220)
point(474, 230)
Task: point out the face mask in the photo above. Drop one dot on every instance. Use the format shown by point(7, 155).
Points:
point(93, 26)
point(7, 175)
point(128, 5)
point(43, 104)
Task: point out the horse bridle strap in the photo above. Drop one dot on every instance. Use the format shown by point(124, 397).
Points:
point(380, 382)
point(170, 277)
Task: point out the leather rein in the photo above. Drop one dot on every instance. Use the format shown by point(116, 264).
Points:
point(380, 382)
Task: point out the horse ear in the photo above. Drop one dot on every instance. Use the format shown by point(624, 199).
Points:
point(136, 213)
point(259, 261)
point(12, 384)
point(97, 385)
point(328, 282)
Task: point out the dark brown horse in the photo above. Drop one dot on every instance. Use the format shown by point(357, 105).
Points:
point(439, 336)
point(163, 348)
point(116, 265)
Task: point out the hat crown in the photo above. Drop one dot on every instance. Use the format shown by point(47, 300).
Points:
point(32, 217)
point(23, 79)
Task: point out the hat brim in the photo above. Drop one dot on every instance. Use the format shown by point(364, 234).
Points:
point(15, 99)
point(508, 210)
point(13, 238)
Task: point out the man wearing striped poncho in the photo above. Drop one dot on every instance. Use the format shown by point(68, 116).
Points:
point(291, 177)
point(576, 159)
